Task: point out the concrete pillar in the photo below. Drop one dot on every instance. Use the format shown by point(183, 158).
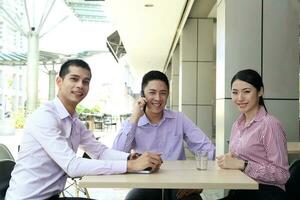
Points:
point(52, 75)
point(168, 74)
point(32, 71)
point(174, 83)
point(261, 35)
point(197, 72)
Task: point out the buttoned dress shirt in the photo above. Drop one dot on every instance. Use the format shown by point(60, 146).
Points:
point(167, 137)
point(47, 154)
point(263, 143)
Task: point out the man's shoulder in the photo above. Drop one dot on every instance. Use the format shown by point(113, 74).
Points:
point(171, 112)
point(178, 115)
point(174, 112)
point(44, 112)
point(48, 107)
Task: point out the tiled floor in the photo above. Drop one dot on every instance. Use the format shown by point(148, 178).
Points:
point(120, 194)
point(104, 194)
point(212, 194)
point(106, 137)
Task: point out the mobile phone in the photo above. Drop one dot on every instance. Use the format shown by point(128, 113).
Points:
point(143, 95)
point(144, 171)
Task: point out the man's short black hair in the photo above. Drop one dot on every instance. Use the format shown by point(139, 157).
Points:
point(64, 70)
point(154, 75)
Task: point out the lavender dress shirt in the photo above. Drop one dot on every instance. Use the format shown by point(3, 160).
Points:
point(166, 138)
point(48, 154)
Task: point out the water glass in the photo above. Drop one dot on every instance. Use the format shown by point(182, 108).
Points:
point(201, 160)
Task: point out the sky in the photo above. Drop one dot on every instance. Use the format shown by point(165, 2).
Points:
point(73, 36)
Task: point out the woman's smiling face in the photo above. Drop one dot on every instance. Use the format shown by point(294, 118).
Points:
point(245, 96)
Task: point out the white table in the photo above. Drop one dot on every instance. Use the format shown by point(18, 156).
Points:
point(175, 174)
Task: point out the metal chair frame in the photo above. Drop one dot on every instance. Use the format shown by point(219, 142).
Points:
point(78, 189)
point(74, 183)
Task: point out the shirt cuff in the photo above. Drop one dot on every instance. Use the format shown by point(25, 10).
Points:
point(111, 154)
point(248, 170)
point(119, 166)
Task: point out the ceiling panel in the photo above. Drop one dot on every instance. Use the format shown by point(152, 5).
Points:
point(147, 29)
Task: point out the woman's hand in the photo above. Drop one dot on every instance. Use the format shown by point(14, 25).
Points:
point(230, 161)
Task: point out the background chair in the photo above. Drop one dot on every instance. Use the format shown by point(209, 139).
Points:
point(292, 185)
point(6, 167)
point(73, 182)
point(108, 121)
point(5, 153)
point(7, 163)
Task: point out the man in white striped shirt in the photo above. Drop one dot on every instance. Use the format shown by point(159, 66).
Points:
point(52, 137)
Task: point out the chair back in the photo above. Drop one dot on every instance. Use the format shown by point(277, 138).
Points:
point(292, 185)
point(5, 153)
point(6, 167)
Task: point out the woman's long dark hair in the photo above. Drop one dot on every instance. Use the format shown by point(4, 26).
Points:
point(252, 77)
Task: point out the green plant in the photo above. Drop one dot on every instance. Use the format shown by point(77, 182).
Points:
point(83, 109)
point(95, 109)
point(80, 109)
point(10, 83)
point(19, 119)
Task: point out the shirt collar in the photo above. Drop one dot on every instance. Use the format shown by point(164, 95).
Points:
point(258, 117)
point(167, 114)
point(62, 111)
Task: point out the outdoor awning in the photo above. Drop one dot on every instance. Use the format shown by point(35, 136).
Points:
point(46, 58)
point(115, 45)
point(14, 58)
point(88, 10)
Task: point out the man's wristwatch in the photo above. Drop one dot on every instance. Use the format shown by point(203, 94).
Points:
point(133, 156)
point(245, 165)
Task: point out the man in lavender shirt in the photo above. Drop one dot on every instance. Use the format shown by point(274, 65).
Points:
point(153, 128)
point(52, 136)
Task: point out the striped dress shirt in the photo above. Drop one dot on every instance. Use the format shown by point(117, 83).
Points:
point(263, 143)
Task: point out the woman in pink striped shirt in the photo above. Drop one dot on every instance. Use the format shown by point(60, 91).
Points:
point(258, 142)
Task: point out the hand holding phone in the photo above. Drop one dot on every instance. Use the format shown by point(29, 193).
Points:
point(139, 109)
point(146, 163)
point(144, 108)
point(143, 95)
